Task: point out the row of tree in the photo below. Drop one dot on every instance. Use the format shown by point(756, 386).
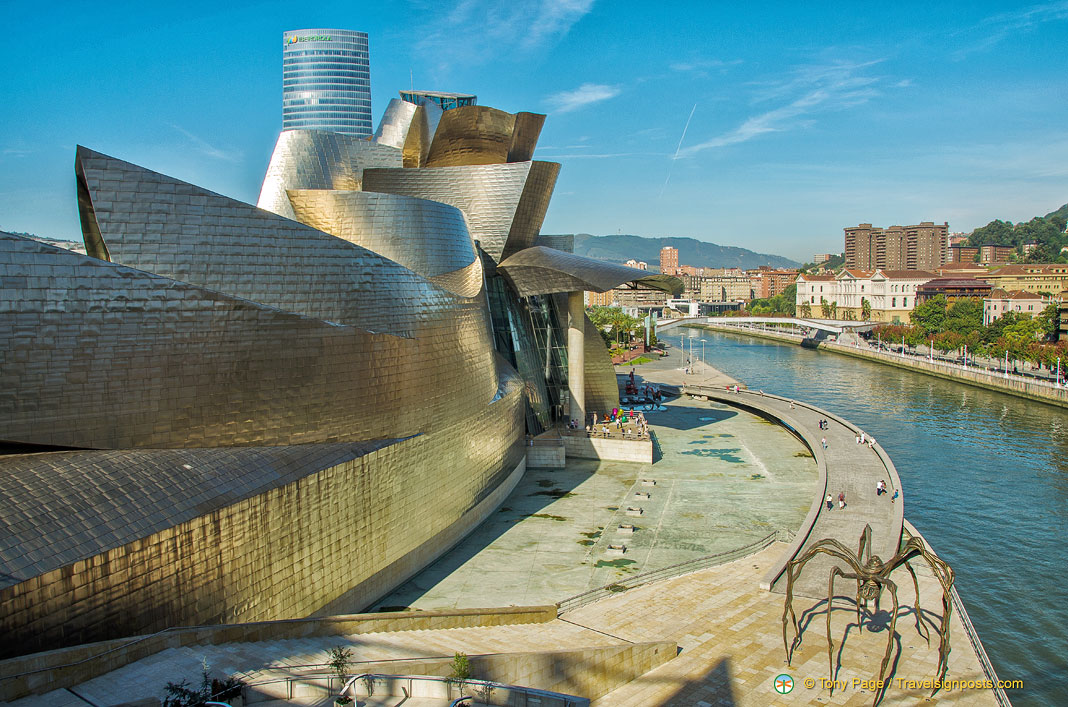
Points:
point(616, 326)
point(782, 303)
point(951, 327)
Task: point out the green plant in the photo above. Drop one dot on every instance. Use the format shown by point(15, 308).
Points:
point(461, 671)
point(369, 684)
point(340, 659)
point(182, 694)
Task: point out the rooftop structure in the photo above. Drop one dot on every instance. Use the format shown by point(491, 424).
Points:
point(444, 100)
point(953, 289)
point(326, 81)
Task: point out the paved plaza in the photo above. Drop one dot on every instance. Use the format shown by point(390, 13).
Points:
point(723, 479)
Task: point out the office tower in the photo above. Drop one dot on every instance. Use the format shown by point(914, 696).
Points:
point(326, 81)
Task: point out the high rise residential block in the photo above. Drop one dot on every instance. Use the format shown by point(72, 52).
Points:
point(922, 246)
point(326, 81)
point(669, 260)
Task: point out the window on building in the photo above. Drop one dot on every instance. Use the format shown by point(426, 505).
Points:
point(893, 301)
point(904, 301)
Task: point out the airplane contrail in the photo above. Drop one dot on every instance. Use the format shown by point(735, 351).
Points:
point(678, 149)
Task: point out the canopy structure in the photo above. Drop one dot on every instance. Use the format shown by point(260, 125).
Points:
point(540, 271)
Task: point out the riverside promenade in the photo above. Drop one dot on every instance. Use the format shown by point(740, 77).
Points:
point(844, 466)
point(1019, 386)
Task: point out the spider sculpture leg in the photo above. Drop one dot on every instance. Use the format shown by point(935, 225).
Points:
point(890, 637)
point(827, 546)
point(830, 641)
point(919, 612)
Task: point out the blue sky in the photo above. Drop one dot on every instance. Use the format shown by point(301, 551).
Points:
point(799, 118)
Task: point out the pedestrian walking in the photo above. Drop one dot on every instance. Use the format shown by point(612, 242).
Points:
point(858, 439)
point(830, 503)
point(841, 500)
point(894, 497)
point(823, 441)
point(862, 438)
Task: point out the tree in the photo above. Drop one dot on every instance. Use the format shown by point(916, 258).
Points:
point(1050, 320)
point(834, 310)
point(865, 309)
point(825, 307)
point(964, 316)
point(805, 311)
point(931, 315)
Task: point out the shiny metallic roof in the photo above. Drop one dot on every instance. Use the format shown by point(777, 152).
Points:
point(62, 507)
point(540, 270)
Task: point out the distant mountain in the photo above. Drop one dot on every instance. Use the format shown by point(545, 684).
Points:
point(619, 249)
point(57, 242)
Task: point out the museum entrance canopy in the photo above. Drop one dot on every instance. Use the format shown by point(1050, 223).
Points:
point(540, 271)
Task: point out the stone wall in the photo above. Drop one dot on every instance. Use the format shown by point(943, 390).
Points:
point(631, 450)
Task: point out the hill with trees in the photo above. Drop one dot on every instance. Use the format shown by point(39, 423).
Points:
point(619, 249)
point(1047, 231)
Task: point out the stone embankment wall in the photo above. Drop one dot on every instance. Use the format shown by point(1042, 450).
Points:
point(980, 379)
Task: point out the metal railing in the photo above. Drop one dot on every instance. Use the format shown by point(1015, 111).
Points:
point(669, 572)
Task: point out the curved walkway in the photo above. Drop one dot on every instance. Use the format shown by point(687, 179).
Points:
point(844, 467)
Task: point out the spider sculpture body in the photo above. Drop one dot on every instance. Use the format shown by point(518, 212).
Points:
point(872, 575)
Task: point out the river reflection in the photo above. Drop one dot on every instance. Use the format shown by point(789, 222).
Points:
point(985, 479)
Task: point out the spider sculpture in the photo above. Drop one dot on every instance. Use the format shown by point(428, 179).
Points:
point(871, 575)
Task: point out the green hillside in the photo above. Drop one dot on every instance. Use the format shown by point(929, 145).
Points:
point(619, 249)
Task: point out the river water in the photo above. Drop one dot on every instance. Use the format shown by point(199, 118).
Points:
point(985, 479)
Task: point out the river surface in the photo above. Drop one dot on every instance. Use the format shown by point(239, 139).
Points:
point(985, 479)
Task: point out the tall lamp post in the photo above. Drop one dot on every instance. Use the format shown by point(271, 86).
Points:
point(703, 351)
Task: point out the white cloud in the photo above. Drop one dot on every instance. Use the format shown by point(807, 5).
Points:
point(473, 31)
point(205, 148)
point(703, 66)
point(825, 87)
point(992, 30)
point(584, 95)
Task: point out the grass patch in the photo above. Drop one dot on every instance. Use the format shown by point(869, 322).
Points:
point(726, 455)
point(619, 564)
point(553, 493)
point(802, 455)
point(587, 543)
point(548, 516)
point(756, 476)
point(593, 534)
point(640, 360)
point(616, 588)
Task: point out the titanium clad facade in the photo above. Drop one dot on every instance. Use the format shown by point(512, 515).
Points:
point(313, 159)
point(410, 128)
point(425, 236)
point(505, 204)
point(484, 135)
point(326, 81)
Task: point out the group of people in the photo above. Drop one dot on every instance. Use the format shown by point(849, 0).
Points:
point(864, 438)
point(841, 501)
point(880, 489)
point(619, 418)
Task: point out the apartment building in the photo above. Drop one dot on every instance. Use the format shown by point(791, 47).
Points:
point(919, 247)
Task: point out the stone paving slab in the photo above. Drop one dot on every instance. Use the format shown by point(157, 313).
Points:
point(730, 636)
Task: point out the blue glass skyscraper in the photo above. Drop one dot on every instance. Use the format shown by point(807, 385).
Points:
point(326, 81)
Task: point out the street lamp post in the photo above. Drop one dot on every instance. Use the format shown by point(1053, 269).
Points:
point(703, 350)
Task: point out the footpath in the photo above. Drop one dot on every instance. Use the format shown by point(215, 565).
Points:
point(980, 378)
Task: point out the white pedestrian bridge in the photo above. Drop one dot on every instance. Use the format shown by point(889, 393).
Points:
point(828, 326)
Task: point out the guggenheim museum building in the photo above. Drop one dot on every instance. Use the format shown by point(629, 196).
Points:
point(228, 412)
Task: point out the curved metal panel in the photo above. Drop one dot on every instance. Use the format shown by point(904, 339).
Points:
point(602, 389)
point(525, 136)
point(404, 126)
point(500, 209)
point(155, 223)
point(541, 270)
point(471, 135)
point(314, 159)
point(428, 237)
point(132, 359)
point(466, 282)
